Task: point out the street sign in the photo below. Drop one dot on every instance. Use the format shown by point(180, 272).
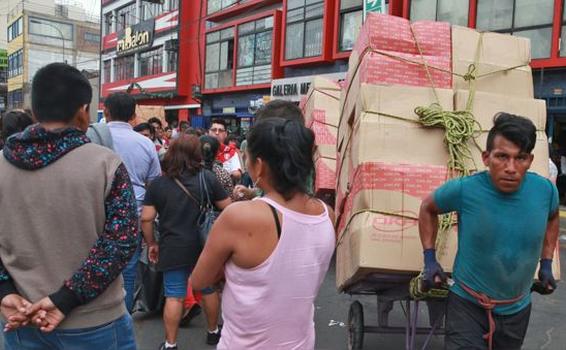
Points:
point(373, 6)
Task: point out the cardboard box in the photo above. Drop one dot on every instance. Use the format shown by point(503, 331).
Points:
point(325, 174)
point(391, 50)
point(325, 134)
point(498, 53)
point(322, 102)
point(486, 105)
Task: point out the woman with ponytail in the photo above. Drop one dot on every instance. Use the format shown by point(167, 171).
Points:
point(274, 251)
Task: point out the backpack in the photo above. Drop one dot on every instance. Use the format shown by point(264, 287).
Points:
point(99, 133)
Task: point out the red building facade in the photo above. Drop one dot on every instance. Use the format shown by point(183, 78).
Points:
point(231, 53)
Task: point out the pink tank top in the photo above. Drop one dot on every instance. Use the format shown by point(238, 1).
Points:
point(271, 305)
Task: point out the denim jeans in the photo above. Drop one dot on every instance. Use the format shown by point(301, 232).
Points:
point(129, 274)
point(116, 335)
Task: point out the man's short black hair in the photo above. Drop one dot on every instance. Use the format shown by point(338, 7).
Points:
point(155, 120)
point(221, 122)
point(121, 106)
point(144, 126)
point(519, 130)
point(58, 91)
point(13, 122)
point(280, 109)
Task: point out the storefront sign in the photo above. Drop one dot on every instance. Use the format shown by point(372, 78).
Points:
point(135, 38)
point(374, 6)
point(292, 89)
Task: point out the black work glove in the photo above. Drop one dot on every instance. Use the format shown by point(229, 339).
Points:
point(547, 283)
point(433, 274)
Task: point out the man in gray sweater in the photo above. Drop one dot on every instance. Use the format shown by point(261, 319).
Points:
point(68, 228)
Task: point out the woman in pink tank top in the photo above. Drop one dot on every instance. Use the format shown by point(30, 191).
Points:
point(275, 251)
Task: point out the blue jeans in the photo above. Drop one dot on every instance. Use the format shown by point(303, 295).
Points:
point(175, 283)
point(116, 335)
point(129, 274)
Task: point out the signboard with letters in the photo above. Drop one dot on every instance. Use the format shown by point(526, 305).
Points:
point(373, 6)
point(135, 38)
point(292, 89)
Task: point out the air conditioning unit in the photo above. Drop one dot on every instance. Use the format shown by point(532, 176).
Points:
point(172, 45)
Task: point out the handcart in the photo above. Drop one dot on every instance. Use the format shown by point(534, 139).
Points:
point(389, 289)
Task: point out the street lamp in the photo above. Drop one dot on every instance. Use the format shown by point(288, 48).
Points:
point(35, 21)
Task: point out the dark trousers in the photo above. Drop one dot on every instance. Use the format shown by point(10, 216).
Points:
point(466, 323)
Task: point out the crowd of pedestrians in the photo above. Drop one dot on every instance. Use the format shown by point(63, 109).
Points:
point(111, 192)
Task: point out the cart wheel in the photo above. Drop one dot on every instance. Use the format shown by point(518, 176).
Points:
point(356, 326)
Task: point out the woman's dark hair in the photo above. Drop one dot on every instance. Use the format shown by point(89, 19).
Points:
point(519, 130)
point(287, 147)
point(13, 122)
point(183, 156)
point(210, 147)
point(155, 120)
point(232, 138)
point(58, 91)
point(144, 126)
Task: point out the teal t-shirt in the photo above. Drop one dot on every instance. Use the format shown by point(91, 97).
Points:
point(500, 235)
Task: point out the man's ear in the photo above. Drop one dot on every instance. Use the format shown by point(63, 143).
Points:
point(485, 157)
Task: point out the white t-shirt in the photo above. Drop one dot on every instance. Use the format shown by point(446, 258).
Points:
point(232, 164)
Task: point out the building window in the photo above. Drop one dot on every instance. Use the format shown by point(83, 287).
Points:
point(108, 23)
point(16, 63)
point(15, 99)
point(15, 29)
point(124, 68)
point(563, 34)
point(151, 62)
point(93, 38)
point(254, 52)
point(304, 29)
point(173, 5)
point(351, 12)
point(219, 59)
point(219, 5)
point(151, 10)
point(528, 18)
point(126, 17)
point(453, 11)
point(172, 59)
point(44, 27)
point(107, 71)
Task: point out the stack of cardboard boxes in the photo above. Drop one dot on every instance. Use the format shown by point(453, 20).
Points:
point(322, 115)
point(387, 162)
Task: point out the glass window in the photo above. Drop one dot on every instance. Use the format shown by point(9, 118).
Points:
point(106, 68)
point(92, 37)
point(351, 25)
point(219, 64)
point(528, 18)
point(151, 10)
point(151, 62)
point(15, 99)
point(495, 14)
point(219, 5)
point(172, 61)
point(15, 29)
point(124, 68)
point(108, 23)
point(41, 26)
point(540, 41)
point(453, 11)
point(173, 5)
point(16, 63)
point(126, 16)
point(304, 28)
point(255, 52)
